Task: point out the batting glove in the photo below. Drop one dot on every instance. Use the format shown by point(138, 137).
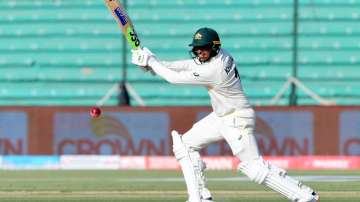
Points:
point(148, 51)
point(141, 57)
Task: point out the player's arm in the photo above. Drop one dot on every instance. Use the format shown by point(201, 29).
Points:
point(195, 74)
point(179, 65)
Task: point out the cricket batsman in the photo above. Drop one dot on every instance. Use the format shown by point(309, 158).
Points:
point(232, 119)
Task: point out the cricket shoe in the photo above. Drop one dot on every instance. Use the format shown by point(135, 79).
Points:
point(206, 200)
point(316, 197)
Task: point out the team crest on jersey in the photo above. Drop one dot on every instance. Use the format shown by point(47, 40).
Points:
point(198, 36)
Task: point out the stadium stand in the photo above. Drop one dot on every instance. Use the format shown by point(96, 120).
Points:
point(65, 52)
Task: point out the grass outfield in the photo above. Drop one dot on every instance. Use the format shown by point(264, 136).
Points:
point(161, 186)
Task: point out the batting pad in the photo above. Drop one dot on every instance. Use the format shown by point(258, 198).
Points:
point(182, 155)
point(276, 178)
point(199, 167)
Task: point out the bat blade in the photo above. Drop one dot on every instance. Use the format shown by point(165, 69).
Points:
point(127, 27)
point(124, 22)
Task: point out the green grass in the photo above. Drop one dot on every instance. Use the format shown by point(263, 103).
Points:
point(160, 186)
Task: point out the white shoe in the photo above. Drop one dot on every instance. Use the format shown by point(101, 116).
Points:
point(316, 197)
point(206, 200)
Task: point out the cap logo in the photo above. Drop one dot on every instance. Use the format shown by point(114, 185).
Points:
point(198, 36)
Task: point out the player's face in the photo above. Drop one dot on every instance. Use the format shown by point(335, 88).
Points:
point(203, 53)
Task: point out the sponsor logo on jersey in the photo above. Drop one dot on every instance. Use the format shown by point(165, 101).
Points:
point(121, 16)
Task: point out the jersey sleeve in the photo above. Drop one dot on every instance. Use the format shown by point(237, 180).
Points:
point(179, 65)
point(204, 75)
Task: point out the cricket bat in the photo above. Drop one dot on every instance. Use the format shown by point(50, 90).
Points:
point(127, 27)
point(124, 22)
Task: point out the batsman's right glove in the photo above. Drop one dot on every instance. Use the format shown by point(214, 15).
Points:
point(140, 57)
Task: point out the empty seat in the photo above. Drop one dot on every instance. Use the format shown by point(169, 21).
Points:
point(71, 52)
point(332, 72)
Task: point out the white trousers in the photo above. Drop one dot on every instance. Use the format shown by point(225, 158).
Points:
point(237, 129)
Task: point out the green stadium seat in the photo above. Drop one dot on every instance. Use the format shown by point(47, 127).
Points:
point(329, 42)
point(48, 4)
point(63, 74)
point(172, 101)
point(279, 72)
point(192, 14)
point(44, 89)
point(262, 88)
point(328, 13)
point(333, 88)
point(326, 56)
point(227, 28)
point(329, 27)
point(205, 3)
point(167, 90)
point(56, 101)
point(83, 44)
point(327, 2)
point(70, 52)
point(31, 93)
point(333, 72)
point(80, 59)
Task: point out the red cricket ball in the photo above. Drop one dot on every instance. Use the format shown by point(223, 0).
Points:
point(95, 112)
